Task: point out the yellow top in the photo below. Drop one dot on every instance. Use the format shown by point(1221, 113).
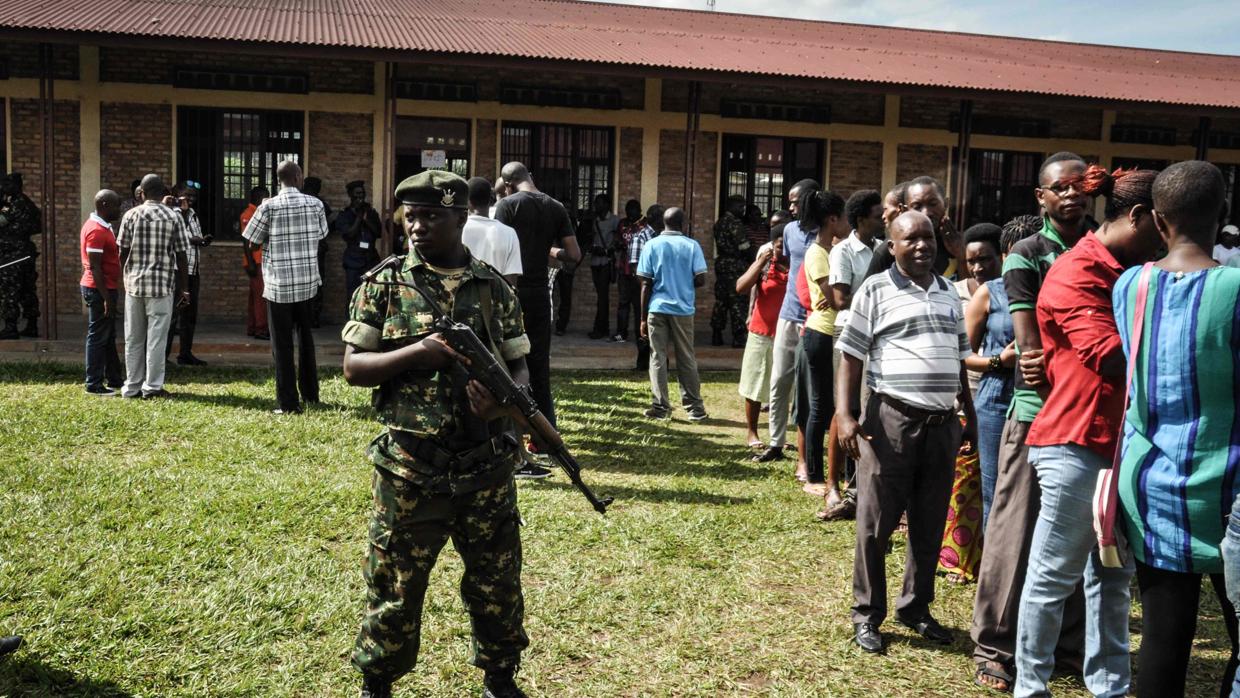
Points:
point(817, 267)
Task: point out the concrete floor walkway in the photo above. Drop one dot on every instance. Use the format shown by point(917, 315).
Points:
point(227, 345)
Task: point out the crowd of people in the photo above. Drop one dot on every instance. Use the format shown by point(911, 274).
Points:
point(972, 389)
point(975, 390)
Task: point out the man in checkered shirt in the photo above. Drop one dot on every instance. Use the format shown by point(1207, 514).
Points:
point(151, 236)
point(289, 227)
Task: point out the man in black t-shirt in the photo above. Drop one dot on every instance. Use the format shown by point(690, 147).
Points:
point(546, 233)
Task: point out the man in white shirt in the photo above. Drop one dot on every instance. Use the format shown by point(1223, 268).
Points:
point(1228, 246)
point(488, 239)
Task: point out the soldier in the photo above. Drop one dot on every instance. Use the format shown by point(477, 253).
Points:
point(19, 221)
point(733, 252)
point(445, 461)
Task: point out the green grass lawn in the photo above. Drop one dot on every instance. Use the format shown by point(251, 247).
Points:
point(201, 547)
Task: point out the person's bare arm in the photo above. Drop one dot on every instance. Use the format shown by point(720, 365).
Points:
point(370, 369)
point(512, 279)
point(699, 280)
point(754, 273)
point(1029, 343)
point(848, 385)
point(96, 273)
point(965, 396)
point(841, 294)
point(642, 330)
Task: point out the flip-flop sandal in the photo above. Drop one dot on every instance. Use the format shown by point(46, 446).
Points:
point(994, 670)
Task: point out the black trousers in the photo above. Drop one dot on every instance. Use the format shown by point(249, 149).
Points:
point(563, 284)
point(821, 400)
point(536, 311)
point(1169, 622)
point(908, 465)
point(601, 275)
point(629, 290)
point(285, 319)
point(184, 321)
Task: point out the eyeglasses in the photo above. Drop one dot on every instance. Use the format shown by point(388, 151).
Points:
point(1061, 188)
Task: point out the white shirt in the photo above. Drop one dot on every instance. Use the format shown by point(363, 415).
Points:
point(849, 261)
point(494, 243)
point(1222, 254)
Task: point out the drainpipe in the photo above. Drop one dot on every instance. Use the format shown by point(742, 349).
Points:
point(47, 190)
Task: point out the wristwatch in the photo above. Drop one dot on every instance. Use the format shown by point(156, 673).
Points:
point(995, 363)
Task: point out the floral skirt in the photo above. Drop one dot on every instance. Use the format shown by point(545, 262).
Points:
point(961, 552)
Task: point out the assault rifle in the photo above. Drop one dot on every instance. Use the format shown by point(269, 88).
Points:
point(486, 369)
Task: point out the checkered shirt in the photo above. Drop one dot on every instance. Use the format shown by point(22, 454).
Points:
point(639, 241)
point(193, 231)
point(289, 227)
point(153, 233)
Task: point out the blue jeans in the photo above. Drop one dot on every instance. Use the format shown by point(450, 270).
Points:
point(1063, 549)
point(1231, 570)
point(102, 359)
point(994, 393)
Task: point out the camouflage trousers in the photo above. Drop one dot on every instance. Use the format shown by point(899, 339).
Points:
point(408, 528)
point(729, 306)
point(19, 295)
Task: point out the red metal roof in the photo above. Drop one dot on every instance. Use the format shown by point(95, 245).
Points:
point(625, 35)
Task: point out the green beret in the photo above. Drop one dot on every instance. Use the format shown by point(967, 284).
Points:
point(434, 188)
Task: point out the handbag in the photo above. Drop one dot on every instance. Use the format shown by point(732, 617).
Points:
point(1112, 546)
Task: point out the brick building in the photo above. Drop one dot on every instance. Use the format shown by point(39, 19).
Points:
point(698, 107)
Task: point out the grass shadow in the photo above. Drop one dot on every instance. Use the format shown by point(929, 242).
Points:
point(26, 675)
point(657, 495)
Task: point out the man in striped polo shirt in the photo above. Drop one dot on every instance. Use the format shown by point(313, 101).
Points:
point(907, 321)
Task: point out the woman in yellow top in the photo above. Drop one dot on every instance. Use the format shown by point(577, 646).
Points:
point(825, 210)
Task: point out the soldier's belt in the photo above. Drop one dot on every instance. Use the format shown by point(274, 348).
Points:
point(434, 454)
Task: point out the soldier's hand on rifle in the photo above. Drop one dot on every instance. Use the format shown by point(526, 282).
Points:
point(482, 402)
point(437, 354)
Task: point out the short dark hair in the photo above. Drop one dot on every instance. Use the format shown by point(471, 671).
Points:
point(1018, 229)
point(777, 231)
point(1191, 195)
point(923, 181)
point(479, 192)
point(817, 206)
point(804, 185)
point(860, 204)
point(654, 211)
point(1061, 156)
point(984, 232)
point(781, 215)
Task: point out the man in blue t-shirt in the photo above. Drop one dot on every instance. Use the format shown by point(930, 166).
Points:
point(788, 329)
point(670, 268)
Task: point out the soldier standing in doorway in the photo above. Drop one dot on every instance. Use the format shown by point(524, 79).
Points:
point(19, 222)
point(733, 253)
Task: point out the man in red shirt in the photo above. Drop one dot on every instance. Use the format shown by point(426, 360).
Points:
point(101, 273)
point(1074, 436)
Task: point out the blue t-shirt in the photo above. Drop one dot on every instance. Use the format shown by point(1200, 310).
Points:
point(795, 245)
point(671, 261)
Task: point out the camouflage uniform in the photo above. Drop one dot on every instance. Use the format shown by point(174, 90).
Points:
point(733, 254)
point(19, 297)
point(420, 502)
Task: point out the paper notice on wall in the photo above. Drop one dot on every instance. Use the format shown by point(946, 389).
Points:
point(434, 159)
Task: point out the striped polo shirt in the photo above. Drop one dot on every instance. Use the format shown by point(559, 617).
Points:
point(913, 337)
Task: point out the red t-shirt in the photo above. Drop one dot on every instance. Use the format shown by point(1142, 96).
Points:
point(97, 237)
point(802, 286)
point(770, 297)
point(1077, 323)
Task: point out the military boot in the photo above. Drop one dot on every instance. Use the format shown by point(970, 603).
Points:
point(499, 683)
point(10, 330)
point(376, 688)
point(32, 328)
point(9, 644)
